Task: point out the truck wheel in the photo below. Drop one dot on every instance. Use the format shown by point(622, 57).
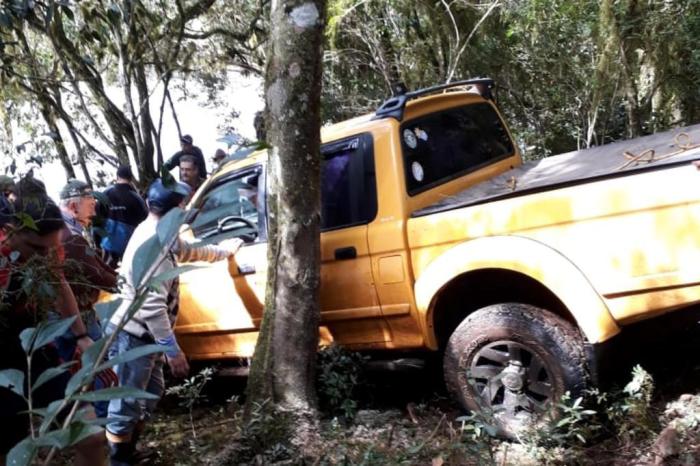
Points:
point(513, 362)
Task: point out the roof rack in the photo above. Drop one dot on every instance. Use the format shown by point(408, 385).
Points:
point(394, 106)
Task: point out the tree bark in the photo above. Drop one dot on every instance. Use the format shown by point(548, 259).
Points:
point(63, 156)
point(283, 370)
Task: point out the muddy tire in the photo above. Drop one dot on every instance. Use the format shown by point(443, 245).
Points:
point(513, 363)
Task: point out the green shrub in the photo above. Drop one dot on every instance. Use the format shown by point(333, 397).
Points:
point(630, 411)
point(340, 374)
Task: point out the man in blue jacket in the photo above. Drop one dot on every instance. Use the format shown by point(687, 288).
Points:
point(127, 209)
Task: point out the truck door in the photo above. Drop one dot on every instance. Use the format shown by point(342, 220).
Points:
point(221, 303)
point(350, 307)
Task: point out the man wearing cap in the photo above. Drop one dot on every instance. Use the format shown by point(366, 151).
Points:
point(126, 210)
point(187, 148)
point(86, 273)
point(152, 322)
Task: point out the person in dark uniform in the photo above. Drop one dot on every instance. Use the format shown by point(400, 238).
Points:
point(188, 149)
point(126, 210)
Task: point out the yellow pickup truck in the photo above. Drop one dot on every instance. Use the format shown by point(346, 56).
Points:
point(437, 237)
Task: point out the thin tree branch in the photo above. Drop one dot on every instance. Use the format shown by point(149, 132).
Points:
point(453, 66)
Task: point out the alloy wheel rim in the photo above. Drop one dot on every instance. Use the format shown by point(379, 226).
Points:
point(511, 380)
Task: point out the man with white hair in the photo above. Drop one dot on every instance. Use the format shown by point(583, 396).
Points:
point(86, 273)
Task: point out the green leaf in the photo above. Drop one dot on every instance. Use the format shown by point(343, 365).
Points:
point(172, 273)
point(90, 355)
point(106, 310)
point(154, 248)
point(63, 438)
point(81, 430)
point(26, 221)
point(23, 453)
point(78, 380)
point(114, 393)
point(51, 373)
point(56, 438)
point(169, 226)
point(50, 414)
point(35, 337)
point(130, 355)
point(165, 176)
point(13, 379)
point(146, 255)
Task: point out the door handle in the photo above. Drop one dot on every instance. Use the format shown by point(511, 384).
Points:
point(346, 253)
point(246, 269)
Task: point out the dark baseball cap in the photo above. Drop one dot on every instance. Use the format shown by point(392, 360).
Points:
point(186, 139)
point(124, 172)
point(75, 188)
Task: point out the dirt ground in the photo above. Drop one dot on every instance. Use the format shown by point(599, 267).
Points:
point(409, 419)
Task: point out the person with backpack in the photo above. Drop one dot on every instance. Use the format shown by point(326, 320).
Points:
point(126, 210)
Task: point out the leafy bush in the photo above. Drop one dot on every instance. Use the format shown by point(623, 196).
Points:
point(560, 438)
point(630, 411)
point(340, 374)
point(190, 392)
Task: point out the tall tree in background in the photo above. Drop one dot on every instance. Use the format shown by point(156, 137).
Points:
point(571, 73)
point(100, 74)
point(283, 368)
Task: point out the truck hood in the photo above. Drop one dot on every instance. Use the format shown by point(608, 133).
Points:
point(673, 147)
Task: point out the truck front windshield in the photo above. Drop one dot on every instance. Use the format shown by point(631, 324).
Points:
point(445, 145)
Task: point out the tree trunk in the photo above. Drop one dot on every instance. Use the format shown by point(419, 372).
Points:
point(283, 370)
point(57, 139)
point(144, 111)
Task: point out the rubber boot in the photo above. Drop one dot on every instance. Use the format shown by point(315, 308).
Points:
point(121, 453)
point(141, 455)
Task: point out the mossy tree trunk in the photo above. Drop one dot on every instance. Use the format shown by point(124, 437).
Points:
point(283, 369)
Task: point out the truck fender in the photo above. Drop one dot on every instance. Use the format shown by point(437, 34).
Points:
point(529, 257)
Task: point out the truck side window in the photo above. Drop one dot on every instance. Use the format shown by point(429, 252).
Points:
point(348, 183)
point(236, 196)
point(445, 145)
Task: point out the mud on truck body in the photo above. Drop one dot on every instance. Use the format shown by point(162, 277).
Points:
point(437, 238)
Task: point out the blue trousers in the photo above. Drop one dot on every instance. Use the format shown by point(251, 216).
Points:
point(145, 373)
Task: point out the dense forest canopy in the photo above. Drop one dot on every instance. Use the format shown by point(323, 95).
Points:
point(571, 73)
